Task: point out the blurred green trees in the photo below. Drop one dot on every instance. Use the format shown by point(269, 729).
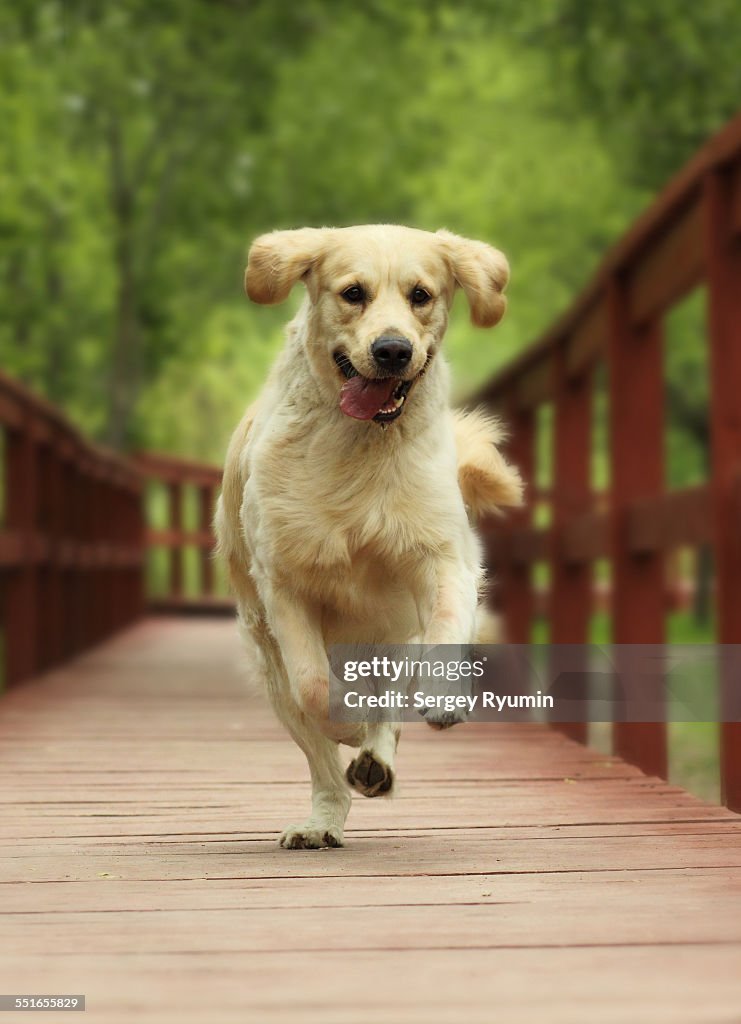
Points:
point(144, 144)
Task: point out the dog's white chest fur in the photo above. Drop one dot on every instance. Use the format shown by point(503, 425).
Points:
point(378, 512)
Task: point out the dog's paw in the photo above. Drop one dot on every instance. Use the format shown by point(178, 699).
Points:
point(369, 776)
point(436, 718)
point(310, 837)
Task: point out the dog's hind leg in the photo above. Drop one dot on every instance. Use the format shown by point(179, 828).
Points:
point(372, 771)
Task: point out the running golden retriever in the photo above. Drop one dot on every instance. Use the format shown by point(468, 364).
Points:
point(348, 486)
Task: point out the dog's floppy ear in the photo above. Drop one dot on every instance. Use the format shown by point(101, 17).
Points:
point(482, 272)
point(279, 259)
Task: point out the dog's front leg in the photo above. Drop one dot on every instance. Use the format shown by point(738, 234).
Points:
point(305, 712)
point(297, 630)
point(296, 626)
point(330, 797)
point(452, 617)
point(452, 622)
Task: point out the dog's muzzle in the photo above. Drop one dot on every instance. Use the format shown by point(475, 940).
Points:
point(380, 399)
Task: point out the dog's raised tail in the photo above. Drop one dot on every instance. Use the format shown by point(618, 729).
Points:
point(487, 482)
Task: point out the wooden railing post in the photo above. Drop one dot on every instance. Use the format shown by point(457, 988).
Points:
point(571, 583)
point(21, 605)
point(135, 539)
point(51, 606)
point(70, 582)
point(205, 521)
point(517, 577)
point(175, 517)
point(635, 368)
point(723, 260)
point(93, 588)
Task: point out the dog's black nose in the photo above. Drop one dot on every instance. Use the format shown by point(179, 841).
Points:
point(390, 353)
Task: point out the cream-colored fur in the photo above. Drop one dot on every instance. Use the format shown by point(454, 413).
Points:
point(344, 530)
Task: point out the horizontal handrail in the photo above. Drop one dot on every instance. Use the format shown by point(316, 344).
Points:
point(663, 257)
point(171, 469)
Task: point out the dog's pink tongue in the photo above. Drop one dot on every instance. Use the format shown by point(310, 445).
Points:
point(362, 398)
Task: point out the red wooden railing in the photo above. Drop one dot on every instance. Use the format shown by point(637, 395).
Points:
point(74, 538)
point(691, 235)
point(71, 538)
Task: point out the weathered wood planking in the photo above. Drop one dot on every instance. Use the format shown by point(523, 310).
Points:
point(517, 875)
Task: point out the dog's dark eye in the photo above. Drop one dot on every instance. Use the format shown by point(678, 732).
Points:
point(419, 297)
point(354, 294)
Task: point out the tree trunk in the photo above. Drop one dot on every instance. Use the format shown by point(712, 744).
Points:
point(55, 364)
point(123, 384)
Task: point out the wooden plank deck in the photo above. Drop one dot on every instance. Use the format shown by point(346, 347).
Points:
point(515, 877)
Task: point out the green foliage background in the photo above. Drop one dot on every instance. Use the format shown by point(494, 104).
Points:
point(143, 145)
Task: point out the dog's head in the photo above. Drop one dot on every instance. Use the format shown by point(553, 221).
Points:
point(379, 298)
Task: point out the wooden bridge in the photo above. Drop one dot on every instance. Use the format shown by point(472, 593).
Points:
point(518, 875)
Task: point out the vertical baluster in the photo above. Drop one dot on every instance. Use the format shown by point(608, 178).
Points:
point(117, 618)
point(80, 508)
point(57, 536)
point(571, 584)
point(21, 606)
point(517, 577)
point(723, 260)
point(138, 543)
point(206, 511)
point(44, 606)
point(108, 572)
point(175, 492)
point(635, 364)
point(69, 624)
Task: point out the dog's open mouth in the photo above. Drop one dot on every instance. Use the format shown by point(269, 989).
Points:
point(380, 399)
